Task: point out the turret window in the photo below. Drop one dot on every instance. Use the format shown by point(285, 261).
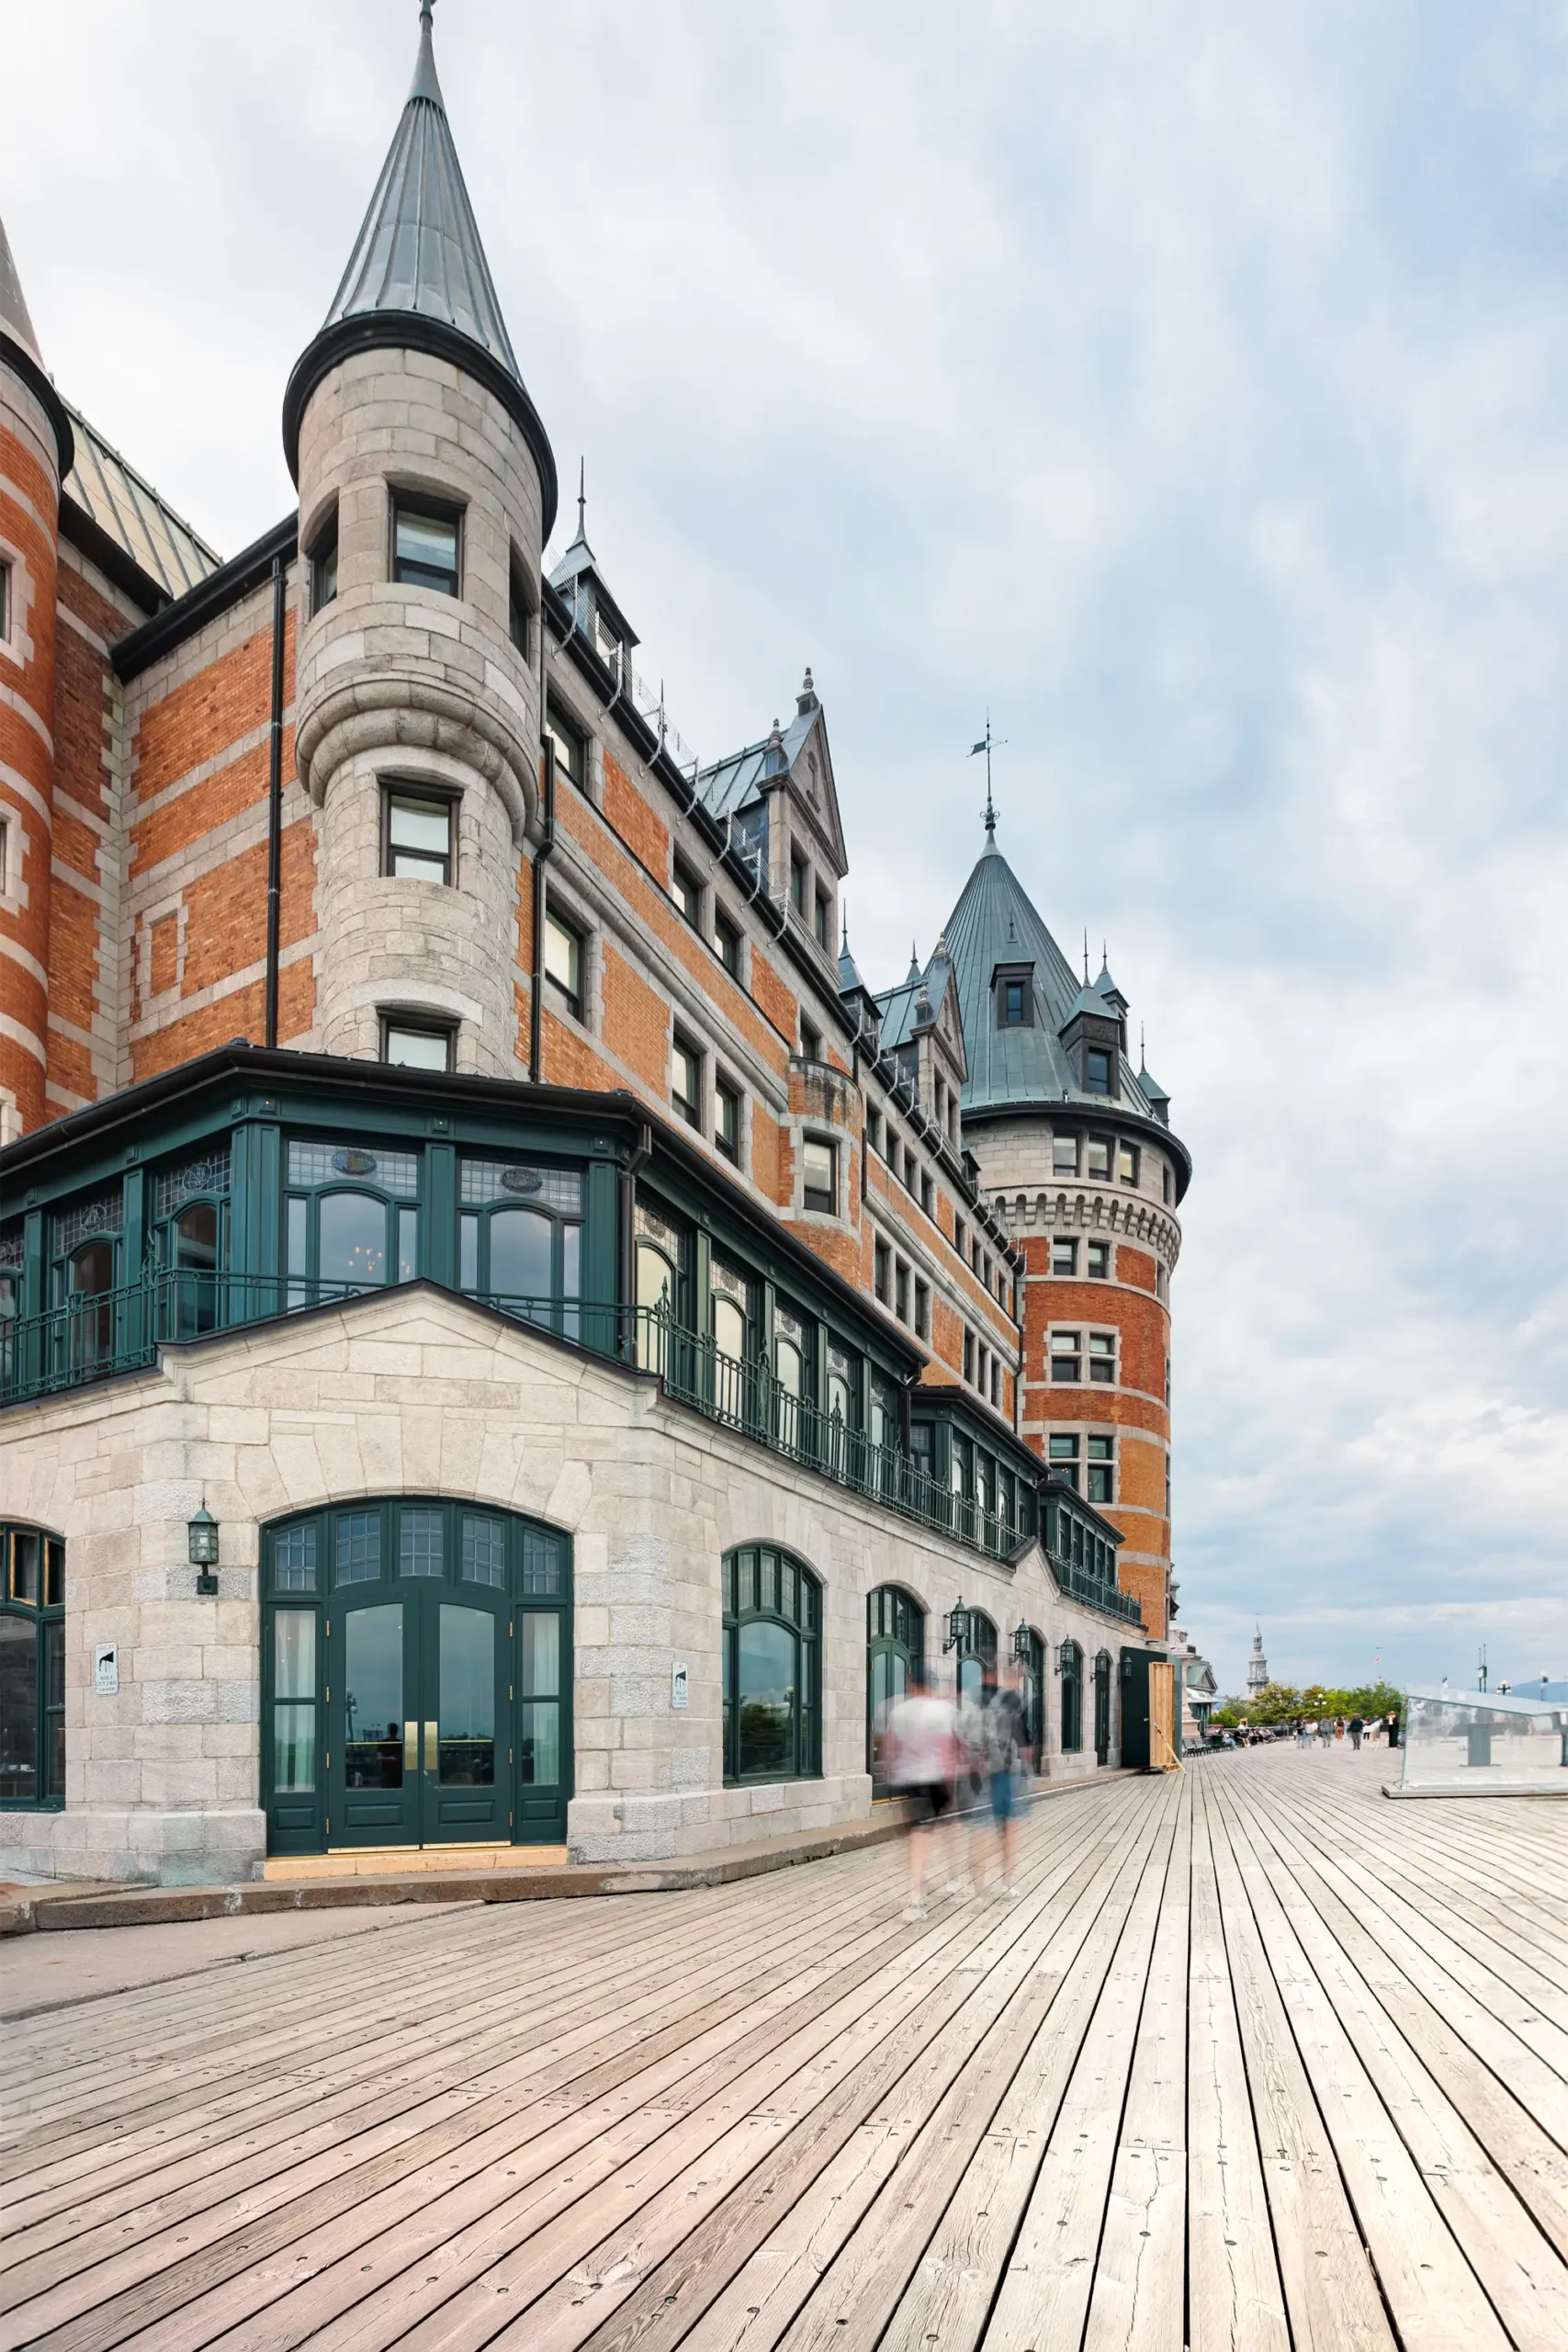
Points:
point(416, 835)
point(1102, 1356)
point(1127, 1162)
point(1064, 1155)
point(1064, 1258)
point(1013, 993)
point(1101, 1469)
point(425, 545)
point(1100, 1261)
point(323, 568)
point(821, 1176)
point(1066, 1356)
point(1097, 1070)
point(416, 1044)
point(1099, 1162)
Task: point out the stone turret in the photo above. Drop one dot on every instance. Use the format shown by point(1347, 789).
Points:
point(36, 455)
point(427, 489)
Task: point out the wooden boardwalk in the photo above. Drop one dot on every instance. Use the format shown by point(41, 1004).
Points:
point(1255, 2060)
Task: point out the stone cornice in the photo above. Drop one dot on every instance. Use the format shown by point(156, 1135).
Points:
point(388, 711)
point(1086, 1209)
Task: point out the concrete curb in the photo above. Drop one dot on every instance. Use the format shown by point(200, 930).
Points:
point(61, 1906)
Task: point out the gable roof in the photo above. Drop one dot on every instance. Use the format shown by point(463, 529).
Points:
point(745, 776)
point(133, 517)
point(994, 922)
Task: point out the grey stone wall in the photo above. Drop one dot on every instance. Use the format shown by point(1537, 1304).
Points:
point(413, 1390)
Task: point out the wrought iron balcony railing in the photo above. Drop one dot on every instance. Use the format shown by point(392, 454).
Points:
point(92, 1338)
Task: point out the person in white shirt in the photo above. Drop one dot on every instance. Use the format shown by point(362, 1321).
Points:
point(921, 1759)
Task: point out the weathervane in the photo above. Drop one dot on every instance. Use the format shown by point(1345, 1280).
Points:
point(989, 743)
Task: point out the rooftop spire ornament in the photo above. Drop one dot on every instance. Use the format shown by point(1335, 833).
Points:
point(989, 743)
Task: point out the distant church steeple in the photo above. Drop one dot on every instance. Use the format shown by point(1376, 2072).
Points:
point(1257, 1665)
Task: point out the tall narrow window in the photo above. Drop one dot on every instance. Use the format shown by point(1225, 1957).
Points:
point(797, 886)
point(1100, 1261)
point(416, 834)
point(1064, 1258)
point(570, 745)
point(425, 545)
point(895, 1630)
point(518, 614)
point(810, 1043)
point(1064, 1456)
point(323, 568)
point(726, 1118)
point(4, 603)
point(687, 893)
point(772, 1719)
point(1098, 1161)
point(820, 1172)
point(822, 920)
point(882, 1271)
point(1097, 1067)
point(727, 944)
point(1101, 1469)
point(563, 964)
point(1102, 1356)
point(1064, 1155)
point(923, 1309)
point(1071, 1662)
point(32, 1667)
point(1127, 1162)
point(686, 1081)
point(1066, 1355)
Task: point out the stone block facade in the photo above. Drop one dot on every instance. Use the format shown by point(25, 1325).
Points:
point(414, 1392)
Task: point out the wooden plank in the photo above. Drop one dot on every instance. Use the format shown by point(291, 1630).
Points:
point(1235, 2302)
point(1523, 2279)
point(1044, 2294)
point(1330, 2295)
point(1432, 2294)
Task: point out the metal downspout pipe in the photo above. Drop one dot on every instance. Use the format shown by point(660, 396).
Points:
point(275, 805)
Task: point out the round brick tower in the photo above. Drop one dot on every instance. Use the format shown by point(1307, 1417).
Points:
point(1075, 1152)
point(36, 455)
point(427, 489)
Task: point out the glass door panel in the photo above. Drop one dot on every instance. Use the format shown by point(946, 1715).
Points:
point(541, 1793)
point(464, 1767)
point(373, 1734)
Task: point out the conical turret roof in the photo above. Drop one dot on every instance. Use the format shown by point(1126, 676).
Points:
point(995, 922)
point(19, 352)
point(418, 278)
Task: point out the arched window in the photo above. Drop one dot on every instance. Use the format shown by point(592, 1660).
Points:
point(520, 1239)
point(190, 1209)
point(1071, 1662)
point(895, 1645)
point(772, 1686)
point(32, 1667)
point(732, 1328)
point(660, 1265)
point(1103, 1708)
point(351, 1219)
point(86, 1273)
point(978, 1658)
point(1033, 1668)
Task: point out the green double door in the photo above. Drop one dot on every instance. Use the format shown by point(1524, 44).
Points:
point(430, 1688)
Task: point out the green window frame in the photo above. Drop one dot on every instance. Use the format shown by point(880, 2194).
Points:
point(773, 1676)
point(894, 1647)
point(1070, 1664)
point(33, 1669)
point(977, 1657)
point(386, 1542)
point(189, 1207)
point(520, 1238)
point(351, 1214)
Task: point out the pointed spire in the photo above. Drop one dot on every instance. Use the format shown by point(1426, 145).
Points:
point(417, 278)
point(806, 699)
point(913, 974)
point(582, 499)
point(19, 352)
point(1086, 955)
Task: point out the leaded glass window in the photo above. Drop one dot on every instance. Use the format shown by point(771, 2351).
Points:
point(772, 1713)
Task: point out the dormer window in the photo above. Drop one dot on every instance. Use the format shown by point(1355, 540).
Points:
point(797, 886)
point(822, 920)
point(1012, 987)
point(1097, 1070)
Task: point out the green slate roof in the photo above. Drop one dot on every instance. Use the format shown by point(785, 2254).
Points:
point(995, 922)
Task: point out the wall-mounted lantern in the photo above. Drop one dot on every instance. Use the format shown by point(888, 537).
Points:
point(1067, 1658)
point(201, 1535)
point(1020, 1644)
point(955, 1628)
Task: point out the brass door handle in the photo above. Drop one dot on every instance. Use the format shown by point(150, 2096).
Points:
point(432, 1757)
point(411, 1747)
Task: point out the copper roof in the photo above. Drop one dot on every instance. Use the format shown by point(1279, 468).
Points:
point(126, 508)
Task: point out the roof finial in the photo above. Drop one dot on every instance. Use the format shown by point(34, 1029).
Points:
point(989, 743)
point(425, 84)
point(581, 497)
point(845, 913)
point(1086, 955)
point(1143, 1056)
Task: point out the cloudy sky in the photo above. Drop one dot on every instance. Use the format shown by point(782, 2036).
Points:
point(1187, 384)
